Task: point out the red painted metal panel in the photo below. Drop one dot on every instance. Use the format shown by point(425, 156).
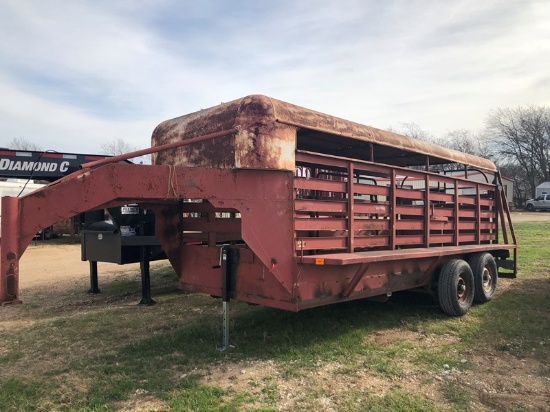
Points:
point(409, 240)
point(409, 194)
point(366, 189)
point(309, 223)
point(320, 184)
point(462, 238)
point(410, 210)
point(372, 241)
point(381, 208)
point(372, 224)
point(411, 224)
point(441, 197)
point(447, 212)
point(467, 200)
point(313, 243)
point(474, 226)
point(324, 206)
point(487, 202)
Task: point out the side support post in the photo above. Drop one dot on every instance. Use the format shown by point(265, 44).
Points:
point(146, 298)
point(355, 280)
point(144, 266)
point(9, 252)
point(226, 292)
point(94, 283)
point(393, 209)
point(351, 211)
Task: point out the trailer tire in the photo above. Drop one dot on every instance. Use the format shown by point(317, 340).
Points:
point(455, 289)
point(485, 273)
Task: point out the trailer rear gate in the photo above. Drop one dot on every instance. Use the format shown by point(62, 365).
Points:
point(269, 203)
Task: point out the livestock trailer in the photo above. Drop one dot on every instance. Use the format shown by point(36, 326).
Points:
point(269, 203)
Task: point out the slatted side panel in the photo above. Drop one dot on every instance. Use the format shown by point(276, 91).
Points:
point(383, 207)
point(203, 224)
point(322, 207)
point(453, 212)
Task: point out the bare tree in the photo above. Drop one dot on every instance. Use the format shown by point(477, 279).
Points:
point(462, 140)
point(413, 130)
point(521, 186)
point(117, 147)
point(459, 140)
point(522, 136)
point(465, 141)
point(20, 143)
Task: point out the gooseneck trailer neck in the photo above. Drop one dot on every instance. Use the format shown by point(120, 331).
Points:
point(307, 209)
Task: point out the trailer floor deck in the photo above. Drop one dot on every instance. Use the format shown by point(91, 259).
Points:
point(339, 259)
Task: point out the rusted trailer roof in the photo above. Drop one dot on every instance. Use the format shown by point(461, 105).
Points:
point(271, 130)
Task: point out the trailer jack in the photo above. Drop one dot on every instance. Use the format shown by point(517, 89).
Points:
point(144, 265)
point(94, 282)
point(146, 298)
point(227, 271)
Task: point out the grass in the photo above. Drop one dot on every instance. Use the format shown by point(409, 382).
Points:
point(77, 352)
point(456, 395)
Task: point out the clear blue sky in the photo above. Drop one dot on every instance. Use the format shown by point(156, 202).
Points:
point(75, 74)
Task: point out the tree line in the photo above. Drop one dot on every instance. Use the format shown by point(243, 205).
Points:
point(516, 140)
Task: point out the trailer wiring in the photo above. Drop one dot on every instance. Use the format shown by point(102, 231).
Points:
point(32, 171)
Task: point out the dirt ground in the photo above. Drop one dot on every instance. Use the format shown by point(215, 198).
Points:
point(530, 216)
point(44, 263)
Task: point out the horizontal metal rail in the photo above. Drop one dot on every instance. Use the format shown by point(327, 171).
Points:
point(156, 149)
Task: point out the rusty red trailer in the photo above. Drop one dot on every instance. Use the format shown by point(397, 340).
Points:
point(274, 204)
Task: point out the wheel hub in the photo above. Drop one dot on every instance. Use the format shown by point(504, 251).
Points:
point(461, 289)
point(487, 280)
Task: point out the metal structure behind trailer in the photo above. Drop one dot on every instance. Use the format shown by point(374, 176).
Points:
point(121, 235)
point(291, 198)
point(42, 165)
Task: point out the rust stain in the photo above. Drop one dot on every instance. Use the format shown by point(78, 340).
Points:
point(261, 143)
point(267, 136)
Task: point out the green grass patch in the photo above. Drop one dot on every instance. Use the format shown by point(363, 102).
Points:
point(22, 395)
point(456, 395)
point(397, 400)
point(195, 397)
point(10, 357)
point(533, 249)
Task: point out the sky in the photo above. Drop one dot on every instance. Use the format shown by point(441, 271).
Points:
point(76, 74)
